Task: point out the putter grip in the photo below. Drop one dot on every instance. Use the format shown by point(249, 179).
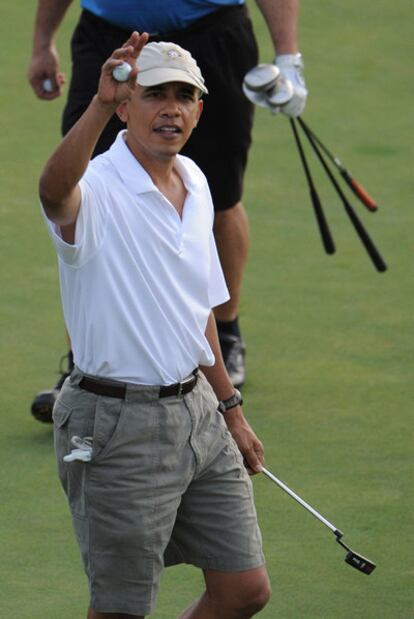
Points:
point(359, 191)
point(322, 223)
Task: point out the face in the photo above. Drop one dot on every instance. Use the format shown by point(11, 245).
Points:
point(160, 119)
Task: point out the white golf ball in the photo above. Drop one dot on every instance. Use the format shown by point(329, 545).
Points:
point(47, 85)
point(121, 73)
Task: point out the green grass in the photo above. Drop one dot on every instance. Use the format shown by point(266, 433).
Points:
point(330, 340)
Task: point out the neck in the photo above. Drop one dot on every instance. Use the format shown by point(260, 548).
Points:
point(159, 167)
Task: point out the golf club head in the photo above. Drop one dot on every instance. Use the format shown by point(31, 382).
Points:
point(262, 78)
point(359, 562)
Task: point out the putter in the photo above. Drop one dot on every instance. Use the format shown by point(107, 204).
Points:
point(360, 563)
point(352, 183)
point(325, 233)
point(359, 228)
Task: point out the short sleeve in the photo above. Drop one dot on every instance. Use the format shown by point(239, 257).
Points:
point(90, 223)
point(217, 289)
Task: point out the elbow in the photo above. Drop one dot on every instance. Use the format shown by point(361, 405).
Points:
point(49, 195)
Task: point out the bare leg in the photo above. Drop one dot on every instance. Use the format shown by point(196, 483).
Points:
point(235, 595)
point(231, 231)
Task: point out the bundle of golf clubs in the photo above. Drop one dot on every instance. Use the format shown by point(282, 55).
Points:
point(320, 150)
point(263, 85)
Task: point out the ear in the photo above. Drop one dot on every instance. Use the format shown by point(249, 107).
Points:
point(122, 111)
point(199, 111)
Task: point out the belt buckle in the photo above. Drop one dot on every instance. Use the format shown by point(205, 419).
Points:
point(180, 389)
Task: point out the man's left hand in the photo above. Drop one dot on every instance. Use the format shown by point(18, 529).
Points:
point(291, 73)
point(280, 86)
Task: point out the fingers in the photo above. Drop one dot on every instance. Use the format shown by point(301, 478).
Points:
point(48, 88)
point(127, 54)
point(135, 43)
point(254, 457)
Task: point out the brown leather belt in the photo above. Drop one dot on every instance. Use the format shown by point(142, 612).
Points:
point(114, 389)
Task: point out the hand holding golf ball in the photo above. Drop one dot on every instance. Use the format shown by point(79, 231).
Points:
point(47, 85)
point(122, 72)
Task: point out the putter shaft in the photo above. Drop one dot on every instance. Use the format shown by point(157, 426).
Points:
point(297, 498)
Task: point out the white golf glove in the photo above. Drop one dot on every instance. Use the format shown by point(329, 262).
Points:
point(291, 79)
point(279, 87)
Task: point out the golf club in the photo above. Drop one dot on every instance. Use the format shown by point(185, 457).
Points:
point(264, 85)
point(354, 559)
point(325, 233)
point(352, 183)
point(359, 228)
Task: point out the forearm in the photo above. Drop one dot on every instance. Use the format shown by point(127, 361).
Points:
point(249, 445)
point(218, 377)
point(49, 16)
point(217, 374)
point(282, 17)
point(63, 171)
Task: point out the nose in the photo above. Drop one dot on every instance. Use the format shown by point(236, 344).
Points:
point(171, 107)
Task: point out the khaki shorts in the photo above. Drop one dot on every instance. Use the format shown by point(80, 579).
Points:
point(166, 484)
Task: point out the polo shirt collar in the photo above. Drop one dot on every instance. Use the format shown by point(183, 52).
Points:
point(128, 167)
point(134, 175)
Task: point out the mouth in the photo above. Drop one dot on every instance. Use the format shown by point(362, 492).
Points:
point(168, 130)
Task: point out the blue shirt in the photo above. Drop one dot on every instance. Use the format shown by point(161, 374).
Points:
point(154, 16)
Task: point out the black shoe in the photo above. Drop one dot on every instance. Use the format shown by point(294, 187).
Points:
point(234, 352)
point(42, 405)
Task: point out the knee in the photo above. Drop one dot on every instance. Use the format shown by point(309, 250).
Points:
point(249, 600)
point(255, 599)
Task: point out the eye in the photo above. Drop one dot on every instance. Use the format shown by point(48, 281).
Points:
point(186, 95)
point(154, 93)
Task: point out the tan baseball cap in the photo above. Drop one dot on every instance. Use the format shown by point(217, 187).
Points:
point(160, 63)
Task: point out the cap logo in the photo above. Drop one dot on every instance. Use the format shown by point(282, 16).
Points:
point(173, 54)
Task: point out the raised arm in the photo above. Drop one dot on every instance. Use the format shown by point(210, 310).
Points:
point(44, 63)
point(248, 443)
point(59, 183)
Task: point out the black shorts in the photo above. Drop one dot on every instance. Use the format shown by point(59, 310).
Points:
point(224, 46)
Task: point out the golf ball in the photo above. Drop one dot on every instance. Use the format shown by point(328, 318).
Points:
point(121, 72)
point(47, 85)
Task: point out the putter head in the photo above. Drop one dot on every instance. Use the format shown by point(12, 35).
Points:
point(359, 562)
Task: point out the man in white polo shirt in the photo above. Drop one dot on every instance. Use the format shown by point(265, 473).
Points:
point(152, 452)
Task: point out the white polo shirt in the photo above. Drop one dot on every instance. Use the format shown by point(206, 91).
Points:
point(139, 282)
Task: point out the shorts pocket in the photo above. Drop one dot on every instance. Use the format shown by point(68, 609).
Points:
point(73, 475)
point(61, 414)
point(108, 418)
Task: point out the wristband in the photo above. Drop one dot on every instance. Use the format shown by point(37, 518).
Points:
point(235, 400)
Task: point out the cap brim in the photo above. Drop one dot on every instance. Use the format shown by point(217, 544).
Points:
point(153, 77)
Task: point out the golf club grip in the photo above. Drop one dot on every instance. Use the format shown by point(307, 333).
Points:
point(325, 233)
point(326, 236)
point(365, 239)
point(359, 228)
point(359, 191)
